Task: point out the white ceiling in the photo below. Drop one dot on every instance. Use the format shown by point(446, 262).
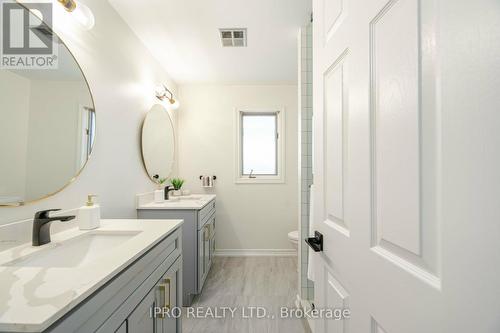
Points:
point(184, 37)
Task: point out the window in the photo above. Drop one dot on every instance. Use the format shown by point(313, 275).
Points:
point(90, 130)
point(259, 146)
point(86, 134)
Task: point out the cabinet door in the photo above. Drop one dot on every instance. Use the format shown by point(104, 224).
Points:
point(212, 250)
point(169, 295)
point(122, 328)
point(203, 255)
point(201, 258)
point(211, 242)
point(140, 320)
point(206, 251)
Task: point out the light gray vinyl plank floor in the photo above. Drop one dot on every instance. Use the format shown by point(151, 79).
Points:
point(244, 282)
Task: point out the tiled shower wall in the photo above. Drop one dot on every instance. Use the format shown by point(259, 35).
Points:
point(306, 112)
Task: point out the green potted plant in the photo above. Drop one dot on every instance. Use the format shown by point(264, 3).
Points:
point(177, 184)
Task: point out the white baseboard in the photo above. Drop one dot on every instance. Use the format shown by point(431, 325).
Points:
point(256, 252)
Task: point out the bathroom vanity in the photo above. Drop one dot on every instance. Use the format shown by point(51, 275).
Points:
point(103, 280)
point(198, 234)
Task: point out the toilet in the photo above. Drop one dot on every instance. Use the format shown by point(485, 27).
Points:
point(293, 237)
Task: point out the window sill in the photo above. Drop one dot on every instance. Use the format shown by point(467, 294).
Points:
point(260, 180)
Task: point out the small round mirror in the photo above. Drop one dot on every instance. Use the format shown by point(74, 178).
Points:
point(158, 143)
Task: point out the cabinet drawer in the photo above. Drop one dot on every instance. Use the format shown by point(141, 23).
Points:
point(208, 219)
point(207, 222)
point(205, 213)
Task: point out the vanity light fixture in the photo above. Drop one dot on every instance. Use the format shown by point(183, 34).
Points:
point(81, 13)
point(162, 93)
point(69, 5)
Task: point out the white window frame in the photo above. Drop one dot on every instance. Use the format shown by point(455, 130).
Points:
point(280, 154)
point(85, 134)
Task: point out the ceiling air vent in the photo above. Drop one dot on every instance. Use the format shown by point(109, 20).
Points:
point(233, 37)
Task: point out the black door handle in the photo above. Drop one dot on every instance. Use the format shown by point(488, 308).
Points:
point(316, 242)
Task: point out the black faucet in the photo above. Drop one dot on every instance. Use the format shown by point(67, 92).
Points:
point(168, 189)
point(41, 226)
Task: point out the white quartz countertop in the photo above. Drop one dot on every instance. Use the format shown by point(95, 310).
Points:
point(194, 201)
point(32, 297)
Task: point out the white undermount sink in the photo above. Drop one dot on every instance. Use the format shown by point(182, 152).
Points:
point(190, 197)
point(75, 252)
point(183, 198)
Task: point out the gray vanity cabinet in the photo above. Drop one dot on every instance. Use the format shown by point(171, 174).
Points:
point(140, 319)
point(171, 293)
point(122, 328)
point(206, 244)
point(124, 304)
point(164, 294)
point(198, 239)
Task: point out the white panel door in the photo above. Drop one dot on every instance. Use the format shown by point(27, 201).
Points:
point(407, 165)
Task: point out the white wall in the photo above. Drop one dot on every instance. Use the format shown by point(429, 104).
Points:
point(249, 216)
point(122, 75)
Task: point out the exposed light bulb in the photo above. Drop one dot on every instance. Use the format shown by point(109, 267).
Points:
point(79, 12)
point(84, 16)
point(172, 106)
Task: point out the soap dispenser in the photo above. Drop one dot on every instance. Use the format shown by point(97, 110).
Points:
point(89, 216)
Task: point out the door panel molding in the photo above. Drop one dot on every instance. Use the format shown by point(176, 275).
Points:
point(403, 224)
point(376, 328)
point(395, 123)
point(335, 101)
point(337, 297)
point(334, 14)
point(411, 266)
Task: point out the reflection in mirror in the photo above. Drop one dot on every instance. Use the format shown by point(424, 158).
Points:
point(158, 143)
point(47, 129)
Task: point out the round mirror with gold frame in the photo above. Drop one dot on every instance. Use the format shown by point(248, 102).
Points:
point(48, 122)
point(158, 143)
